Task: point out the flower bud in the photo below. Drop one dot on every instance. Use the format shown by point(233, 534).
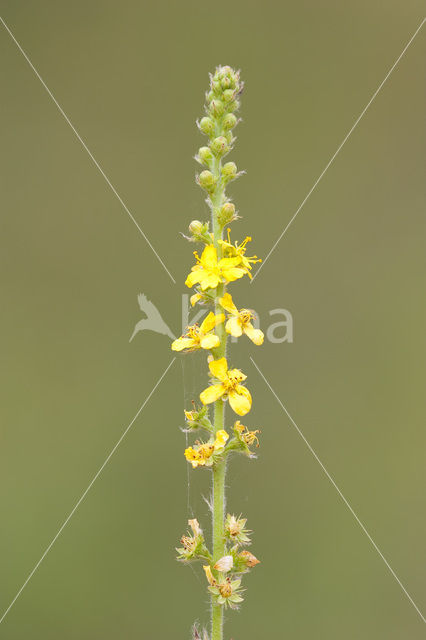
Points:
point(229, 121)
point(216, 107)
point(228, 95)
point(207, 125)
point(195, 227)
point(229, 170)
point(219, 146)
point(216, 87)
point(206, 180)
point(227, 213)
point(233, 106)
point(229, 138)
point(204, 155)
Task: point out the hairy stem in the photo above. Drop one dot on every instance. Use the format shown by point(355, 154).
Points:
point(219, 469)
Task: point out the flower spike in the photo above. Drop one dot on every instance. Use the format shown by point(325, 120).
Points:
point(220, 263)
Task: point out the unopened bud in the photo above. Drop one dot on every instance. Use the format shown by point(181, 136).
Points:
point(195, 227)
point(206, 180)
point(228, 95)
point(216, 107)
point(233, 106)
point(219, 146)
point(216, 87)
point(207, 126)
point(229, 170)
point(205, 155)
point(229, 121)
point(227, 213)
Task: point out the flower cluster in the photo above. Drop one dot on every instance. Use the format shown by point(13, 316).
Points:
point(219, 263)
point(226, 586)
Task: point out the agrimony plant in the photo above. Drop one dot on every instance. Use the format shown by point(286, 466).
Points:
point(221, 262)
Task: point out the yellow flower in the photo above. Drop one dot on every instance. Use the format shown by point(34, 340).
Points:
point(200, 337)
point(229, 386)
point(239, 322)
point(209, 272)
point(200, 455)
point(234, 251)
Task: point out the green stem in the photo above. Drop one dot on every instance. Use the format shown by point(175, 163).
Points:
point(218, 539)
point(219, 469)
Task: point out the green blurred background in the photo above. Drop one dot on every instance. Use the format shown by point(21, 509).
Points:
point(131, 77)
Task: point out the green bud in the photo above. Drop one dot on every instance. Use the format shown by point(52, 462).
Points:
point(195, 227)
point(229, 138)
point(226, 83)
point(227, 213)
point(219, 146)
point(216, 107)
point(207, 125)
point(229, 121)
point(216, 87)
point(204, 155)
point(228, 95)
point(206, 180)
point(233, 106)
point(210, 96)
point(229, 170)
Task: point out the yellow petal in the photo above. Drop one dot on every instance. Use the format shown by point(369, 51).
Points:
point(194, 277)
point(219, 369)
point(209, 281)
point(184, 343)
point(255, 335)
point(211, 321)
point(233, 273)
point(209, 257)
point(228, 304)
point(210, 341)
point(221, 439)
point(236, 375)
point(195, 298)
point(233, 327)
point(226, 263)
point(240, 400)
point(212, 393)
